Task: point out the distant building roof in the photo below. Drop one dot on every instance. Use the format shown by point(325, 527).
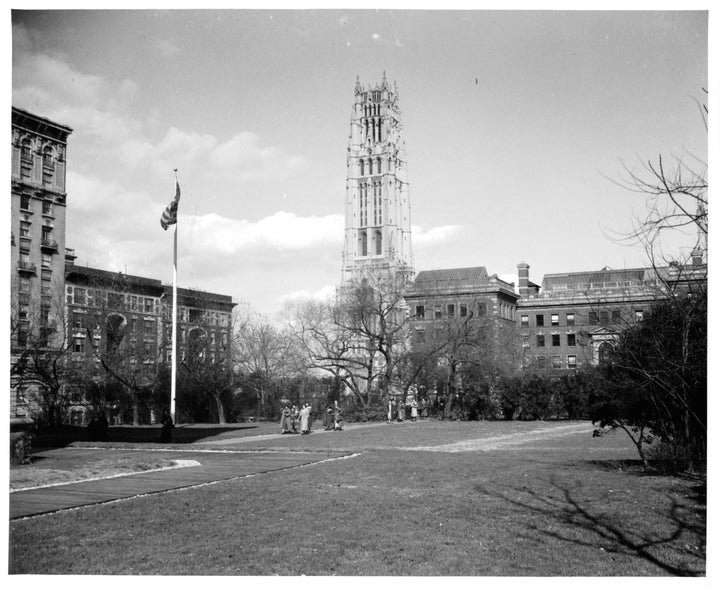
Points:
point(452, 276)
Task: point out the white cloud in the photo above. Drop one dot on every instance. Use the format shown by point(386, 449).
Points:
point(325, 293)
point(280, 231)
point(436, 235)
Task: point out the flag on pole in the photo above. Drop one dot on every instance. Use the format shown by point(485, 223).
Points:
point(169, 216)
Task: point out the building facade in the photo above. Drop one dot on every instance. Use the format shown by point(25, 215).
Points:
point(77, 313)
point(377, 203)
point(37, 252)
point(111, 312)
point(38, 204)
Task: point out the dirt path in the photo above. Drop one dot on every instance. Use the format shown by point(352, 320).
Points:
point(516, 439)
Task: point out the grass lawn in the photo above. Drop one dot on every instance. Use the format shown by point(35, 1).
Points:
point(427, 498)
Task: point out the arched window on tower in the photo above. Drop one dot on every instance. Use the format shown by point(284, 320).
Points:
point(379, 166)
point(362, 167)
point(362, 245)
point(378, 243)
point(370, 166)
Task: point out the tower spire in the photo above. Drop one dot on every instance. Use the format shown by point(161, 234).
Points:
point(377, 204)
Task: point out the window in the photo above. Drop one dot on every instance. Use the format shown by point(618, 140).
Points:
point(463, 311)
point(572, 361)
point(438, 312)
point(24, 285)
point(26, 159)
point(593, 318)
point(46, 260)
point(79, 344)
point(570, 319)
point(524, 321)
point(639, 314)
point(362, 167)
point(378, 243)
point(482, 309)
point(115, 300)
point(556, 362)
point(77, 320)
point(451, 310)
point(149, 305)
point(420, 336)
point(420, 311)
point(48, 166)
point(540, 341)
point(25, 229)
point(554, 319)
point(47, 235)
point(25, 202)
point(363, 243)
point(539, 320)
point(542, 361)
point(149, 325)
point(47, 208)
point(526, 342)
point(79, 296)
point(570, 339)
point(604, 318)
point(616, 316)
point(555, 339)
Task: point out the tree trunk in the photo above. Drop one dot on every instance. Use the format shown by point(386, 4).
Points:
point(220, 408)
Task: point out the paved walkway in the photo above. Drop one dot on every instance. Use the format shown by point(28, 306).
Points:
point(213, 467)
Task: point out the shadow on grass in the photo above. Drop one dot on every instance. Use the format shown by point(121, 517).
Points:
point(587, 522)
point(63, 435)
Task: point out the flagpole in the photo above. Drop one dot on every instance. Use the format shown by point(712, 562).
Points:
point(173, 370)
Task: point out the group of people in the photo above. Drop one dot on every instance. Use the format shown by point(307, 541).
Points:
point(293, 419)
point(398, 407)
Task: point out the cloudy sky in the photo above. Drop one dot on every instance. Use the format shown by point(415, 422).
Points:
point(515, 125)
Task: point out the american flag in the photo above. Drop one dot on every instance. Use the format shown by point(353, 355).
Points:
point(169, 216)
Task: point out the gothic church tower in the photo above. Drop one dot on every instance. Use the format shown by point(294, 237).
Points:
point(377, 205)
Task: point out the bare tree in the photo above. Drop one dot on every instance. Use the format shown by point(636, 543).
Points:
point(359, 338)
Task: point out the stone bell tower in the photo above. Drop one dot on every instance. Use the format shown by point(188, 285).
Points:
point(377, 204)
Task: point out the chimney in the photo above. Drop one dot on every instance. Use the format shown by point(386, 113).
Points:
point(523, 279)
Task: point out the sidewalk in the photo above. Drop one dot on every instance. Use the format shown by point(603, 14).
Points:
point(214, 466)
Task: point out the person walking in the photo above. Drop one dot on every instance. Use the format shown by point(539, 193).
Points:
point(390, 404)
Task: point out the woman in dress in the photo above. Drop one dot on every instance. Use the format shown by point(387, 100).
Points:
point(305, 419)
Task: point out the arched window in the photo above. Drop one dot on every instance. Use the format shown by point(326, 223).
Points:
point(197, 344)
point(378, 243)
point(370, 166)
point(362, 167)
point(605, 351)
point(379, 166)
point(116, 326)
point(363, 245)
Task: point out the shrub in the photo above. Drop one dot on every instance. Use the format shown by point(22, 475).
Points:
point(20, 446)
